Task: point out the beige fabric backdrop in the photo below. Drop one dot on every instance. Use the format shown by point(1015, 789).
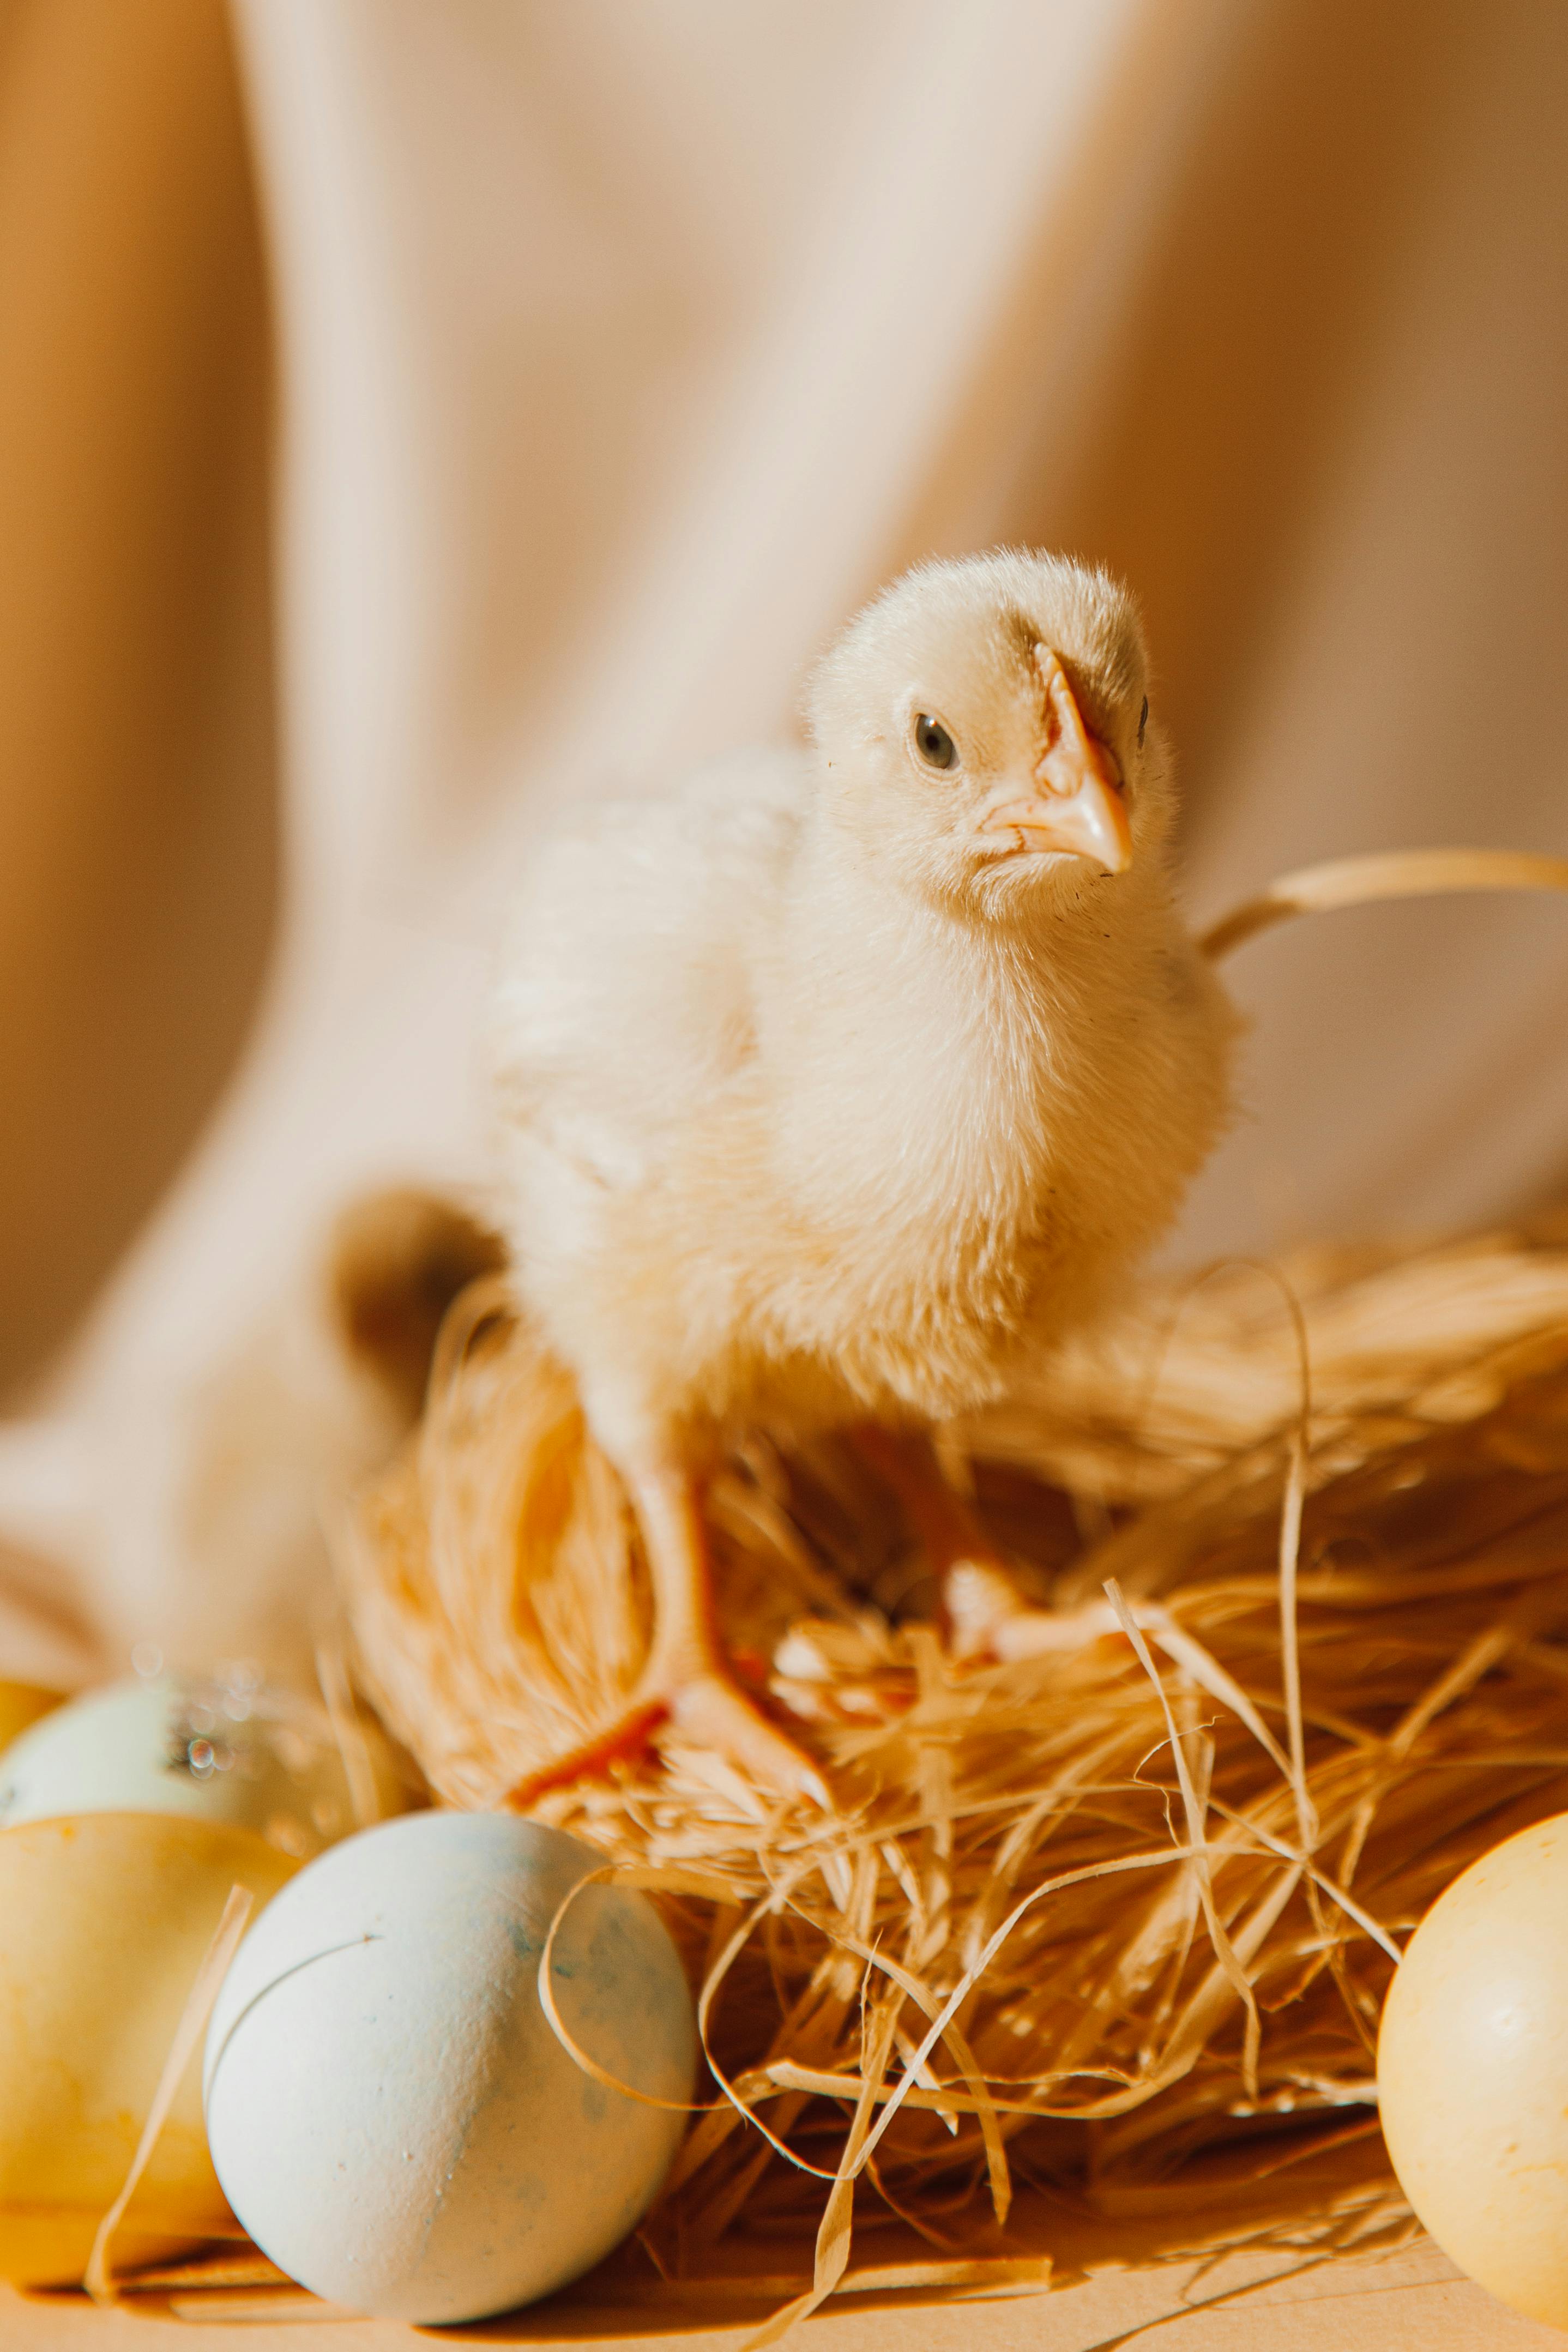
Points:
point(621, 350)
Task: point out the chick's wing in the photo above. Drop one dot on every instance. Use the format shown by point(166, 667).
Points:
point(626, 1000)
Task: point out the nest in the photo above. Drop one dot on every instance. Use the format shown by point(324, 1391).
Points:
point(1097, 1921)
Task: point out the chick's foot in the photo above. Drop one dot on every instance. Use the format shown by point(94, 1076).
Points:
point(988, 1617)
point(688, 1684)
point(629, 1736)
point(711, 1710)
point(704, 1705)
point(986, 1614)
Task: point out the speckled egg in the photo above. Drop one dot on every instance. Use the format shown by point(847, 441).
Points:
point(1472, 2071)
point(391, 2114)
point(222, 1749)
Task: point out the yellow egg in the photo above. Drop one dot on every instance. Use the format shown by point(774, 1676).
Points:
point(22, 1703)
point(1472, 2071)
point(104, 1920)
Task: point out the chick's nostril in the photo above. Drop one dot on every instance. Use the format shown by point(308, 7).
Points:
point(1068, 763)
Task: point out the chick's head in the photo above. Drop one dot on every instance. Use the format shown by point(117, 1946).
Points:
point(985, 732)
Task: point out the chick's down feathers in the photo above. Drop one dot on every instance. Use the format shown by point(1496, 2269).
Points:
point(839, 1080)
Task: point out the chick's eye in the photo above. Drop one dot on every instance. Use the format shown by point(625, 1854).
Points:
point(933, 741)
point(1142, 721)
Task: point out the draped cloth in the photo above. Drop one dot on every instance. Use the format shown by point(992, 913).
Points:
point(414, 418)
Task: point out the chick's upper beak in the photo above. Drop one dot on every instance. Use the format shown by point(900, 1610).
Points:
point(1077, 808)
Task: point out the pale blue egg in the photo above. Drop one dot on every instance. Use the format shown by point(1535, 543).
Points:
point(392, 2116)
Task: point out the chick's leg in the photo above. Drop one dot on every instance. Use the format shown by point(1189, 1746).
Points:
point(686, 1681)
point(986, 1614)
point(687, 1670)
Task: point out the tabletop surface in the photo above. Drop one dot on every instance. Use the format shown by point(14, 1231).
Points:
point(1412, 2301)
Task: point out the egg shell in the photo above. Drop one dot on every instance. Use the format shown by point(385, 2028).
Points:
point(394, 2119)
point(122, 1750)
point(1472, 2071)
point(21, 1705)
point(105, 1923)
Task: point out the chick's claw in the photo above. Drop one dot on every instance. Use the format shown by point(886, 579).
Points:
point(710, 1711)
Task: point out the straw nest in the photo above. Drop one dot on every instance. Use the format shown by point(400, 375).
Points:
point(1074, 1920)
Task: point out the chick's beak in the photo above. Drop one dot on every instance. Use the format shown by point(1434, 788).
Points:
point(1077, 808)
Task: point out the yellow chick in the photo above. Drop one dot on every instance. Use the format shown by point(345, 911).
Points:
point(839, 1082)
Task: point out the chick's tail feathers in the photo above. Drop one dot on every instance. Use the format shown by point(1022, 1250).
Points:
point(397, 1260)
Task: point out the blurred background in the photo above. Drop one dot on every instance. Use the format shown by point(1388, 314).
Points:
point(413, 417)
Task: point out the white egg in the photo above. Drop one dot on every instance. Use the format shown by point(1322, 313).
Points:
point(392, 2116)
point(1472, 2072)
point(247, 1754)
